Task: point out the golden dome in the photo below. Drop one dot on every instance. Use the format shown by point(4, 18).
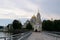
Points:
point(33, 16)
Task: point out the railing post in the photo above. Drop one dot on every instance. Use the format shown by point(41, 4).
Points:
point(56, 38)
point(4, 38)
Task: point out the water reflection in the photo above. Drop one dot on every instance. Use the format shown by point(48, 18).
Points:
point(3, 34)
point(8, 36)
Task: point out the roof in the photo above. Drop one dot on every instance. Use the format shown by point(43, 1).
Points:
point(33, 16)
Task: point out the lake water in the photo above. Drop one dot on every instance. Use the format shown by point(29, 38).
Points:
point(3, 34)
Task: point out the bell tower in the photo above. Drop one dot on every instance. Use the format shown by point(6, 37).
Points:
point(36, 22)
point(38, 17)
point(39, 23)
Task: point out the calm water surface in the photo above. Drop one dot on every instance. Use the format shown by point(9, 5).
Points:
point(3, 34)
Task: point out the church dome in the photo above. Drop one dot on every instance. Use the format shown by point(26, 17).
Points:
point(33, 16)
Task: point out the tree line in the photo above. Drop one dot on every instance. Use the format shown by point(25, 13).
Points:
point(51, 25)
point(17, 26)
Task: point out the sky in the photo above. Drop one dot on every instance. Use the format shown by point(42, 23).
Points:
point(25, 9)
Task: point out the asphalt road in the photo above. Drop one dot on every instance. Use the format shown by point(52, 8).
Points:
point(41, 36)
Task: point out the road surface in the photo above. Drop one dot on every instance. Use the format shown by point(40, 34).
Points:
point(41, 36)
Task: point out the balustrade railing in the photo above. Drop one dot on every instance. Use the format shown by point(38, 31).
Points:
point(16, 36)
point(53, 36)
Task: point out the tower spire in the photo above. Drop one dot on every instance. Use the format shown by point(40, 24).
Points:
point(38, 10)
point(38, 13)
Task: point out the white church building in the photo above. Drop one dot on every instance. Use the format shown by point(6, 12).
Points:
point(36, 22)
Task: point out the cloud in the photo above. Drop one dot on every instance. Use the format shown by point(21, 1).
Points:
point(24, 9)
point(14, 14)
point(13, 9)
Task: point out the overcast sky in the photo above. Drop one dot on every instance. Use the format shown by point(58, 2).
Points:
point(17, 9)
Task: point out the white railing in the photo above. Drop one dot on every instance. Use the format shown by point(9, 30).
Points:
point(24, 37)
point(17, 36)
point(54, 36)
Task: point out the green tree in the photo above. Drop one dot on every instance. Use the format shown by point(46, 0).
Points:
point(44, 25)
point(57, 25)
point(1, 27)
point(51, 25)
point(17, 24)
point(47, 25)
point(29, 26)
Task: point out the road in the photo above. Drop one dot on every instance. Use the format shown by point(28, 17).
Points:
point(41, 36)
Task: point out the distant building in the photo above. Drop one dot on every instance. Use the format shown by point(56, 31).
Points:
point(25, 24)
point(51, 19)
point(10, 26)
point(36, 22)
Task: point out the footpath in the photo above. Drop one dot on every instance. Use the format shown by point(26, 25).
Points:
point(41, 36)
